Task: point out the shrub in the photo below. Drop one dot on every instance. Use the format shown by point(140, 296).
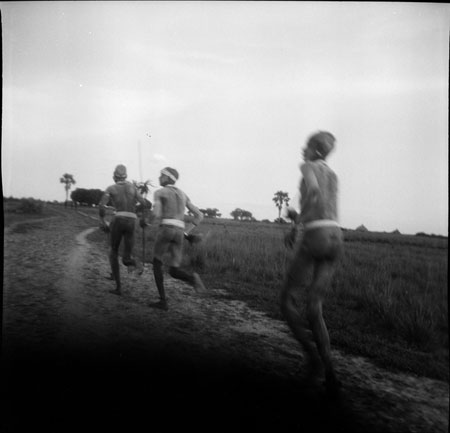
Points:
point(30, 206)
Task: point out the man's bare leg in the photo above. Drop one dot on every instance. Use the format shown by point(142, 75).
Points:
point(115, 237)
point(298, 278)
point(321, 281)
point(159, 280)
point(127, 260)
point(298, 327)
point(114, 261)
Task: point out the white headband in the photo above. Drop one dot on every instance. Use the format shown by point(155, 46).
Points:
point(169, 175)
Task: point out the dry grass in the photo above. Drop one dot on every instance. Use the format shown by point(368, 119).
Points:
point(388, 301)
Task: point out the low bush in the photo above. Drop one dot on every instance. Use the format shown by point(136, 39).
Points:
point(30, 206)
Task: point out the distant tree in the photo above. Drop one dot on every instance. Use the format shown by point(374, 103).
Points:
point(281, 198)
point(236, 214)
point(77, 196)
point(94, 196)
point(68, 180)
point(242, 215)
point(87, 197)
point(246, 215)
point(280, 221)
point(211, 212)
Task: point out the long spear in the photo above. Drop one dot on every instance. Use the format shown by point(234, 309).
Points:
point(143, 210)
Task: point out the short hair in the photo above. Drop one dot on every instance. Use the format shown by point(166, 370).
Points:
point(322, 142)
point(120, 172)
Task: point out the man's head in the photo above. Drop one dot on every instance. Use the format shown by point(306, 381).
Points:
point(168, 176)
point(120, 173)
point(319, 145)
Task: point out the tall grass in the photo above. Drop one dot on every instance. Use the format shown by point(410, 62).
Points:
point(388, 300)
point(403, 287)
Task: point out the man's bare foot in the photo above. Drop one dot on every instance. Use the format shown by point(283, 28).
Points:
point(311, 372)
point(198, 283)
point(116, 292)
point(140, 268)
point(137, 268)
point(160, 305)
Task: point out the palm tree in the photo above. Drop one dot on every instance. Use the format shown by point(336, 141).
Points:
point(68, 180)
point(280, 198)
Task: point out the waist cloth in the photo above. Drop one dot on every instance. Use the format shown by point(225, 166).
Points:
point(123, 213)
point(320, 223)
point(172, 222)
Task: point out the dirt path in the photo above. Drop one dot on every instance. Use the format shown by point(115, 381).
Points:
point(209, 362)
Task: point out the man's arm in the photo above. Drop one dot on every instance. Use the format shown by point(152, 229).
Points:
point(157, 207)
point(198, 216)
point(102, 206)
point(312, 185)
point(290, 238)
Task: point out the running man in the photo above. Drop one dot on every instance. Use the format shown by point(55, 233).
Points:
point(124, 197)
point(169, 205)
point(318, 250)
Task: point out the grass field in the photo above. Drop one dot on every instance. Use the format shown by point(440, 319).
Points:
point(388, 300)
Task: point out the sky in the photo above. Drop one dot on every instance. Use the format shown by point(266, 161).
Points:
point(228, 93)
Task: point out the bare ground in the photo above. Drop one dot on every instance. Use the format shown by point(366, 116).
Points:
point(75, 357)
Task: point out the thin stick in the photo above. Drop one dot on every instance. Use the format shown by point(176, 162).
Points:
point(143, 249)
point(143, 210)
point(140, 159)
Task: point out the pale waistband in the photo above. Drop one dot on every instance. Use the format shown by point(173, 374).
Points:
point(320, 223)
point(126, 214)
point(173, 222)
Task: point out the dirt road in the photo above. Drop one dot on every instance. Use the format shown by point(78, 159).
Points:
point(76, 357)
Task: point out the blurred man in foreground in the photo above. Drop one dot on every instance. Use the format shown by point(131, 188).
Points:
point(318, 250)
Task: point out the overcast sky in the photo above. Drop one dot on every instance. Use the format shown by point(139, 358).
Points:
point(229, 92)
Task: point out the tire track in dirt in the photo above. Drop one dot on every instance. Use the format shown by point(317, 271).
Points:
point(77, 326)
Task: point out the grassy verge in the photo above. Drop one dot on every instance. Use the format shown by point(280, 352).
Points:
point(388, 300)
point(18, 211)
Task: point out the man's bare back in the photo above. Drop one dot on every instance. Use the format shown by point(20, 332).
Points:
point(124, 196)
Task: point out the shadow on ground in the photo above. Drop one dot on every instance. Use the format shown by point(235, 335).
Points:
point(99, 390)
